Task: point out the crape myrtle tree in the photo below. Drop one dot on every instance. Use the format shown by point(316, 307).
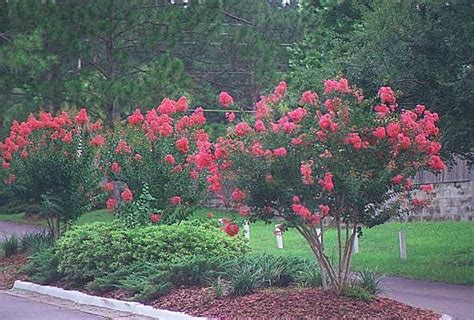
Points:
point(48, 162)
point(159, 163)
point(421, 48)
point(339, 159)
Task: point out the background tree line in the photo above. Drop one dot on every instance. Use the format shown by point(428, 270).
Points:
point(114, 55)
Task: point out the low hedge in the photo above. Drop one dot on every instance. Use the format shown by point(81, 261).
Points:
point(97, 249)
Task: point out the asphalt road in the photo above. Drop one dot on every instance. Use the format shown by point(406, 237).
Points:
point(19, 308)
point(7, 229)
point(454, 300)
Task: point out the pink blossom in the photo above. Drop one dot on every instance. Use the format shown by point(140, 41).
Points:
point(225, 99)
point(279, 152)
point(127, 195)
point(327, 182)
point(175, 200)
point(309, 97)
point(386, 95)
point(242, 129)
point(379, 133)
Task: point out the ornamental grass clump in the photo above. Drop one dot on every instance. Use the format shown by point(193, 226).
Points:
point(335, 158)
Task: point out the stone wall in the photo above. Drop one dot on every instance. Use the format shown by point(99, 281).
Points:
point(448, 201)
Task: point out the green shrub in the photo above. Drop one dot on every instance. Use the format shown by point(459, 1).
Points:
point(308, 275)
point(168, 242)
point(193, 270)
point(42, 265)
point(93, 250)
point(98, 249)
point(31, 242)
point(370, 281)
point(357, 292)
point(10, 246)
point(244, 279)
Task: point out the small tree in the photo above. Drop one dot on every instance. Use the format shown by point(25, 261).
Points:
point(157, 163)
point(343, 160)
point(48, 162)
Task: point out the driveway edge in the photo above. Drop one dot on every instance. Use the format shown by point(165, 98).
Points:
point(114, 304)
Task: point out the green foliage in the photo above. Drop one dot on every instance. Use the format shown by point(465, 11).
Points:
point(244, 279)
point(423, 51)
point(138, 212)
point(128, 54)
point(10, 246)
point(31, 242)
point(357, 292)
point(42, 265)
point(88, 251)
point(370, 281)
point(309, 275)
point(98, 249)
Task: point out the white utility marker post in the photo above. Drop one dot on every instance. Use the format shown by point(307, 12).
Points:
point(246, 229)
point(403, 244)
point(318, 232)
point(279, 236)
point(355, 248)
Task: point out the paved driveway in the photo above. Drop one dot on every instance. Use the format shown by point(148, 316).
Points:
point(454, 300)
point(7, 229)
point(19, 308)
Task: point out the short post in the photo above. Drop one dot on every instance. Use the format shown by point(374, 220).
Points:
point(279, 236)
point(403, 245)
point(246, 229)
point(355, 248)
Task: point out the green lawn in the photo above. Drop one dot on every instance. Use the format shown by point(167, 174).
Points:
point(438, 251)
point(94, 216)
point(20, 218)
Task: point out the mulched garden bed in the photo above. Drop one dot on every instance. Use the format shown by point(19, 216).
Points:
point(286, 304)
point(10, 270)
point(273, 303)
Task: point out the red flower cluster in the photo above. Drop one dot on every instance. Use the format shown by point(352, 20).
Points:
point(231, 229)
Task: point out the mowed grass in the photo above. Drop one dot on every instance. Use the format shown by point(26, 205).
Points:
point(437, 251)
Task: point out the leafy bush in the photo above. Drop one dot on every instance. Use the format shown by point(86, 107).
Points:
point(188, 238)
point(309, 275)
point(94, 250)
point(370, 281)
point(169, 150)
point(10, 246)
point(42, 265)
point(357, 292)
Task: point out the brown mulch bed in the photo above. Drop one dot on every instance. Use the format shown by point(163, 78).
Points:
point(10, 270)
point(273, 303)
point(286, 304)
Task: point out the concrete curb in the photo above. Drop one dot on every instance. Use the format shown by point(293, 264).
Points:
point(114, 304)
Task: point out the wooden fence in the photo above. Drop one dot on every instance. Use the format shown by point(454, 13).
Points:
point(460, 172)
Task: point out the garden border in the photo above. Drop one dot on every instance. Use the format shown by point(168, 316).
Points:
point(114, 304)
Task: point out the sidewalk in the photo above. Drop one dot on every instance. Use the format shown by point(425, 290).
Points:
point(454, 300)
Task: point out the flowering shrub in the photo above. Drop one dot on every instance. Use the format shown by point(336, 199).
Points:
point(168, 151)
point(47, 161)
point(339, 158)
